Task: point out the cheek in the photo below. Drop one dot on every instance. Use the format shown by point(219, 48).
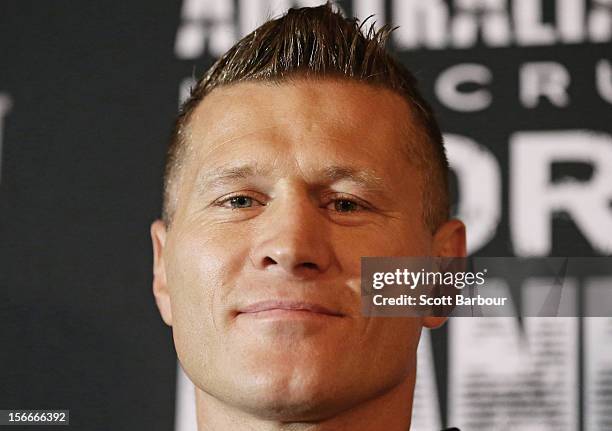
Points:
point(200, 265)
point(392, 342)
point(377, 335)
point(386, 239)
point(202, 259)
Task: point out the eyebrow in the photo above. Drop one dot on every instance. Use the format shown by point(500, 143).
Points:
point(363, 177)
point(225, 174)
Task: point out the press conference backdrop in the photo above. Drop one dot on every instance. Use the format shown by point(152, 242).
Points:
point(88, 91)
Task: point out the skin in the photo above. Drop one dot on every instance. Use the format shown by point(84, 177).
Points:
point(283, 189)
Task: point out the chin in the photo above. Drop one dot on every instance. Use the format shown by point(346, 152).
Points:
point(302, 407)
point(295, 395)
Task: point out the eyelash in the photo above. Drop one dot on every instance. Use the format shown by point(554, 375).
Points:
point(222, 201)
point(363, 206)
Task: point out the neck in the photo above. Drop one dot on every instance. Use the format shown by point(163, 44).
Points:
point(390, 411)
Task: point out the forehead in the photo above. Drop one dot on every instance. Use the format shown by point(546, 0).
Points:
point(315, 116)
point(303, 131)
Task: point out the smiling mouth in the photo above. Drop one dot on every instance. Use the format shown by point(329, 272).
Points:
point(289, 309)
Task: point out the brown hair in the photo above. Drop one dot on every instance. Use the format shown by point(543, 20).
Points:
point(319, 42)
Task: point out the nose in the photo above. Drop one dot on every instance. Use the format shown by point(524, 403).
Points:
point(293, 240)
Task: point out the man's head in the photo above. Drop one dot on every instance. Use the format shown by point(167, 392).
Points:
point(284, 172)
point(319, 43)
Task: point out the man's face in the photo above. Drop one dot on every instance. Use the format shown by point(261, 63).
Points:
point(284, 188)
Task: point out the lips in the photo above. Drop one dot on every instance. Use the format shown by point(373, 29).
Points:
point(288, 305)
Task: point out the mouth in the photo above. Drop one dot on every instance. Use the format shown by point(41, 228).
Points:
point(287, 309)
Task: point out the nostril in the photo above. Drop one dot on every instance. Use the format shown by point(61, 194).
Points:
point(288, 264)
point(268, 261)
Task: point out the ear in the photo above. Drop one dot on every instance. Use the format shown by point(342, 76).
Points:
point(449, 241)
point(160, 286)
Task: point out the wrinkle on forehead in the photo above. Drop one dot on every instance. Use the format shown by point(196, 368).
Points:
point(301, 114)
point(366, 178)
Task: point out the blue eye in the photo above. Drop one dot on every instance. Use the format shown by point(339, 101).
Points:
point(237, 202)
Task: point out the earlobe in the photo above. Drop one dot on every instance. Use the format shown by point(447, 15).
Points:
point(433, 322)
point(160, 287)
point(450, 240)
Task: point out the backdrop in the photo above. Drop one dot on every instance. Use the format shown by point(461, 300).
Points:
point(88, 92)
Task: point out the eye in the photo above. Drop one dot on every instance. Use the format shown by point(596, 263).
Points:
point(239, 202)
point(346, 205)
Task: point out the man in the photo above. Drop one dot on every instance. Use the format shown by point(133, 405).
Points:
point(305, 147)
